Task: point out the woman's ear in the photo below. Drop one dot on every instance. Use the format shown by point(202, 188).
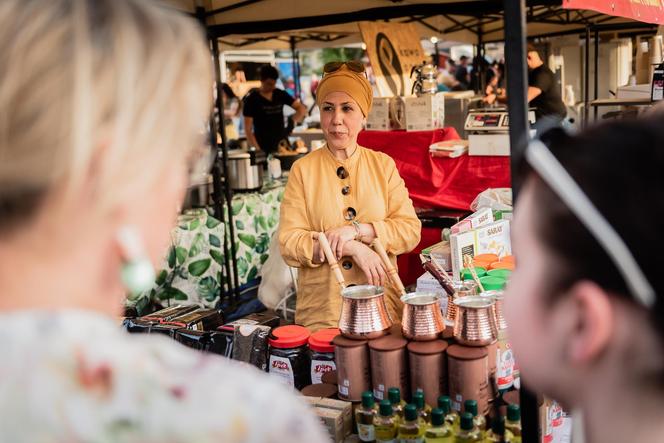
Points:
point(594, 323)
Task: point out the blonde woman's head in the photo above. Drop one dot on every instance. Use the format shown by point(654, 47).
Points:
point(97, 98)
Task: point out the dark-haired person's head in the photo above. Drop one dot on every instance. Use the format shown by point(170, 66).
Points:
point(533, 58)
point(268, 75)
point(581, 325)
point(463, 60)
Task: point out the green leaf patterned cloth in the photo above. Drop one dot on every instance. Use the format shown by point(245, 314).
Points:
point(192, 270)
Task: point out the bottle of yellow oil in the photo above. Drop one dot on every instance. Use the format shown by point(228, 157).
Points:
point(440, 431)
point(411, 429)
point(468, 432)
point(385, 423)
point(478, 419)
point(364, 417)
point(423, 409)
point(394, 395)
point(513, 423)
point(452, 417)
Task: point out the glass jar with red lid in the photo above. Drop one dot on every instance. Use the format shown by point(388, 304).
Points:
point(321, 352)
point(289, 356)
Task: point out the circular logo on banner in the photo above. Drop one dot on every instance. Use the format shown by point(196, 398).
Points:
point(390, 66)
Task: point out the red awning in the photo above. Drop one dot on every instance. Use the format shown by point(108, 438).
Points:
point(649, 11)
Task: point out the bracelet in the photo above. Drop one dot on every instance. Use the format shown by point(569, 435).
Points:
point(356, 225)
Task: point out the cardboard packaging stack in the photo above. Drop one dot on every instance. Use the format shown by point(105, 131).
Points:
point(336, 415)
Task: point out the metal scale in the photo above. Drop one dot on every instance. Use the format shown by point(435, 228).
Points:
point(488, 131)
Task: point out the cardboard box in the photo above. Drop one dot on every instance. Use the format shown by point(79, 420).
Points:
point(427, 283)
point(480, 218)
point(425, 113)
point(493, 238)
point(334, 423)
point(345, 407)
point(489, 144)
point(379, 116)
point(440, 254)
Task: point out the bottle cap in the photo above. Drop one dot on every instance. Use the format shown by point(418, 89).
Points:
point(410, 412)
point(445, 403)
point(367, 399)
point(470, 406)
point(437, 417)
point(513, 413)
point(385, 408)
point(394, 395)
point(467, 421)
point(418, 399)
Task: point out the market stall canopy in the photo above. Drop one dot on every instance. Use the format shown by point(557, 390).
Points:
point(276, 24)
point(648, 11)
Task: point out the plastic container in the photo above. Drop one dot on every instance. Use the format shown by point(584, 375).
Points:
point(502, 265)
point(289, 356)
point(505, 274)
point(486, 257)
point(467, 275)
point(321, 353)
point(493, 283)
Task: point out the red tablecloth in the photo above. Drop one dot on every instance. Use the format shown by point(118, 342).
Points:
point(446, 183)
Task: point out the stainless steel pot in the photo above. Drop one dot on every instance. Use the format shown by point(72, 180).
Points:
point(245, 169)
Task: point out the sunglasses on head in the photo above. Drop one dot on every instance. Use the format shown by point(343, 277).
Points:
point(335, 66)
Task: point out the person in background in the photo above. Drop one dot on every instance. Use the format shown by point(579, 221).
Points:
point(352, 194)
point(543, 90)
point(461, 74)
point(264, 112)
point(120, 89)
point(585, 304)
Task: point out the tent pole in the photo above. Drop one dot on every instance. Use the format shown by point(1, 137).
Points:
point(586, 79)
point(515, 44)
point(296, 71)
point(221, 187)
point(595, 109)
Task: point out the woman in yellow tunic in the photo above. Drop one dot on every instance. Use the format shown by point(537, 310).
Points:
point(351, 193)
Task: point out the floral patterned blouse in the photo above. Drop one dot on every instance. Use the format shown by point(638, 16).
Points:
point(75, 376)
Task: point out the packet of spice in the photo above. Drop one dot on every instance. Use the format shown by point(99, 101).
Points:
point(250, 345)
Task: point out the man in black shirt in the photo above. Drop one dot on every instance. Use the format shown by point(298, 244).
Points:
point(543, 91)
point(263, 112)
point(461, 74)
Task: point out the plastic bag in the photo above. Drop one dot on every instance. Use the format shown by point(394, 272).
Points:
point(498, 199)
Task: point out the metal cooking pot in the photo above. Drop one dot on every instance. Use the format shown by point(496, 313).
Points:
point(364, 314)
point(245, 169)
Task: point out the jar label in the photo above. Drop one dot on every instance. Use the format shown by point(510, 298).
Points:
point(281, 368)
point(505, 366)
point(320, 367)
point(411, 440)
point(366, 432)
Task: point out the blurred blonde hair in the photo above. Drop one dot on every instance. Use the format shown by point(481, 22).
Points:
point(95, 93)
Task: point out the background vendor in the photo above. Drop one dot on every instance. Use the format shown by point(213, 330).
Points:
point(543, 92)
point(264, 112)
point(351, 193)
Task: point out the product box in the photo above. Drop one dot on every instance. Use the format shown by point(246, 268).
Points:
point(379, 116)
point(440, 254)
point(480, 218)
point(425, 113)
point(333, 420)
point(489, 144)
point(493, 238)
point(345, 407)
point(427, 283)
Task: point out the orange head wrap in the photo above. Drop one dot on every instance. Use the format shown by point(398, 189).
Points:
point(352, 83)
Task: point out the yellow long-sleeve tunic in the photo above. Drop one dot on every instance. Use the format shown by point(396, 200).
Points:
point(313, 202)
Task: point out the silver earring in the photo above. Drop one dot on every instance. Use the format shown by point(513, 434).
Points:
point(137, 273)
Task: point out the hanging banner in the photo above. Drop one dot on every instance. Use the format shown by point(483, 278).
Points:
point(648, 11)
point(393, 49)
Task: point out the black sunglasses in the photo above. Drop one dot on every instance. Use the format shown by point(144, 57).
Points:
point(353, 65)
